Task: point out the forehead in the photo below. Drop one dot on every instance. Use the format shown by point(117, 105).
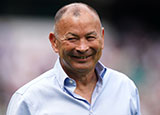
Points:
point(79, 11)
point(84, 19)
point(74, 8)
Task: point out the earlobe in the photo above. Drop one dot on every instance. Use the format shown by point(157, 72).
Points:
point(53, 42)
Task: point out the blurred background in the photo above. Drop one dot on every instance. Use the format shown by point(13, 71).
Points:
point(132, 44)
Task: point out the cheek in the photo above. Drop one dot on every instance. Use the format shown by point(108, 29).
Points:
point(97, 45)
point(65, 48)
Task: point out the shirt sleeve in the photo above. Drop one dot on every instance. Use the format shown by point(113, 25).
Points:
point(17, 106)
point(135, 103)
point(138, 103)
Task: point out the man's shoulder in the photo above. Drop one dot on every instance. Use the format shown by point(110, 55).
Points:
point(116, 73)
point(38, 82)
point(119, 77)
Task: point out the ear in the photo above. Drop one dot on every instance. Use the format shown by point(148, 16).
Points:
point(102, 35)
point(53, 42)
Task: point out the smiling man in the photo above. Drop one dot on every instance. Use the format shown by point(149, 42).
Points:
point(78, 84)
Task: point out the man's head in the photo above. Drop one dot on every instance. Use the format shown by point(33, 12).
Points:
point(78, 37)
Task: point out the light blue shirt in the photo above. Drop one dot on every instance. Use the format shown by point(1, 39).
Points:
point(52, 93)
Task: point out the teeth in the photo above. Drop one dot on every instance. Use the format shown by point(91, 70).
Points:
point(83, 57)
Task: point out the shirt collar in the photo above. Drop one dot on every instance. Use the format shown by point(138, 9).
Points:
point(100, 69)
point(60, 73)
point(62, 77)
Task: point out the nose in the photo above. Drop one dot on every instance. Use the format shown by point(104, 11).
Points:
point(82, 47)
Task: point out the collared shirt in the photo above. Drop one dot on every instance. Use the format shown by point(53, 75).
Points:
point(52, 93)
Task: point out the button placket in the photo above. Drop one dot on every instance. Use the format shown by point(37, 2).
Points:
point(91, 111)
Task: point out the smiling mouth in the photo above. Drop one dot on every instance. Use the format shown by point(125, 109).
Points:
point(81, 57)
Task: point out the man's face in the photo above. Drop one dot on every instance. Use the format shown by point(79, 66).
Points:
point(79, 43)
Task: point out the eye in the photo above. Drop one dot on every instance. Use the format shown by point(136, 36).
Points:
point(72, 39)
point(91, 38)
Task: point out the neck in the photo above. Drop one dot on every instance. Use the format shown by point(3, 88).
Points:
point(85, 83)
point(83, 78)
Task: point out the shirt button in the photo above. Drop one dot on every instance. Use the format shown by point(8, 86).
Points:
point(91, 112)
point(70, 81)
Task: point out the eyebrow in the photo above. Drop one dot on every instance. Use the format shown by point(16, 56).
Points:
point(90, 33)
point(70, 33)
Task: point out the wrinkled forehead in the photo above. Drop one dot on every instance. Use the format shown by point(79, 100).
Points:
point(77, 16)
point(81, 14)
point(81, 19)
point(75, 10)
